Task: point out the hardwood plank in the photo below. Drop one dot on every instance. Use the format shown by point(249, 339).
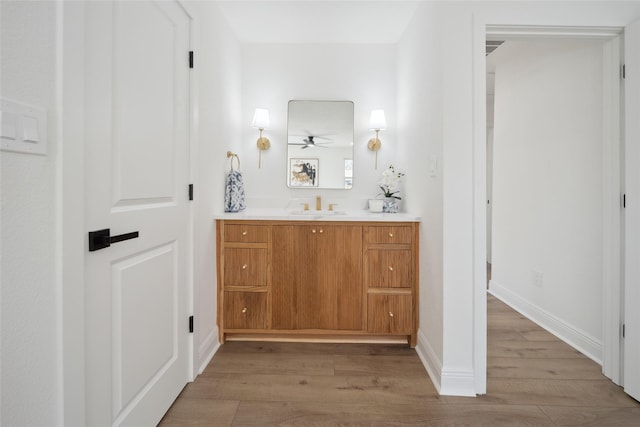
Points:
point(378, 365)
point(300, 388)
point(200, 412)
point(547, 368)
point(527, 349)
point(593, 417)
point(281, 364)
point(596, 393)
point(343, 414)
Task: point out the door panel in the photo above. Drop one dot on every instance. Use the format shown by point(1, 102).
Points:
point(137, 151)
point(632, 211)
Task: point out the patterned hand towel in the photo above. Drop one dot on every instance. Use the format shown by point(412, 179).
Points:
point(234, 192)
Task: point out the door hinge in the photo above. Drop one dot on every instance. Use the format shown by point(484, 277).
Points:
point(190, 59)
point(623, 330)
point(190, 191)
point(624, 71)
point(190, 324)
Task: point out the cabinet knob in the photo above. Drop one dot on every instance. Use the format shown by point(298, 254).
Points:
point(390, 268)
point(244, 267)
point(390, 314)
point(390, 234)
point(313, 231)
point(244, 309)
point(321, 230)
point(244, 233)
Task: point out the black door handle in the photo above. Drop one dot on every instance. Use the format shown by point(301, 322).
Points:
point(101, 239)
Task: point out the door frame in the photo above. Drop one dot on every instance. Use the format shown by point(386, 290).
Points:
point(612, 225)
point(71, 232)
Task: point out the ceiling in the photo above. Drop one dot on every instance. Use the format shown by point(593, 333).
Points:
point(313, 21)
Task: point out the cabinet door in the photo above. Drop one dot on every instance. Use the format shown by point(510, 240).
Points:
point(245, 310)
point(317, 277)
point(246, 267)
point(389, 268)
point(389, 313)
point(336, 302)
point(292, 266)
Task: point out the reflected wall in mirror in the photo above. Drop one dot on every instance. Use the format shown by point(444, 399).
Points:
point(320, 144)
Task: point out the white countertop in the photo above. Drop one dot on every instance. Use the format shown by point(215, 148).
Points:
point(311, 215)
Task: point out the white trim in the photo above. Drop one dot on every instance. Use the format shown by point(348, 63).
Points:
point(611, 211)
point(458, 383)
point(212, 352)
point(575, 337)
point(479, 74)
point(499, 32)
point(70, 197)
point(612, 269)
point(430, 360)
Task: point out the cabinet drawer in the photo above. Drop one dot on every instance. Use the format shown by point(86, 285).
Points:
point(389, 313)
point(245, 267)
point(245, 310)
point(388, 268)
point(239, 233)
point(394, 234)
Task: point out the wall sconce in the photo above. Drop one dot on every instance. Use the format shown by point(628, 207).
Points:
point(377, 122)
point(261, 122)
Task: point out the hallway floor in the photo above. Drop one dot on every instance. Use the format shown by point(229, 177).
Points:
point(533, 380)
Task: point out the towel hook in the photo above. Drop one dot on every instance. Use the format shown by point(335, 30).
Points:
point(231, 155)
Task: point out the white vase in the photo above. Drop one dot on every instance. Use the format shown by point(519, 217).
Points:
point(391, 205)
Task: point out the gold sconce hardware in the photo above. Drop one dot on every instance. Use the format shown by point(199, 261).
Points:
point(261, 122)
point(377, 122)
point(244, 309)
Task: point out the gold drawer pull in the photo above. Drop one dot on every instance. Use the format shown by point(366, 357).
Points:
point(313, 231)
point(244, 267)
point(390, 268)
point(244, 309)
point(321, 230)
point(390, 234)
point(390, 314)
point(244, 233)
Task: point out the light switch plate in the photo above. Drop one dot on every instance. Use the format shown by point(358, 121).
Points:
point(24, 128)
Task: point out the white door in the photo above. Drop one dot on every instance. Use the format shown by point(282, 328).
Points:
point(137, 115)
point(632, 211)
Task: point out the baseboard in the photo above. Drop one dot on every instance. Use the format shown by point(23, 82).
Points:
point(208, 349)
point(429, 359)
point(576, 338)
point(447, 382)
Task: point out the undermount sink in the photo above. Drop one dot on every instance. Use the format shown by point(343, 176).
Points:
point(311, 212)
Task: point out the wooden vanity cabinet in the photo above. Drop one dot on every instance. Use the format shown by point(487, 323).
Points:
point(310, 280)
point(316, 277)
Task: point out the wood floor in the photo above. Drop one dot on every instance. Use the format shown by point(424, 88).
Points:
point(533, 380)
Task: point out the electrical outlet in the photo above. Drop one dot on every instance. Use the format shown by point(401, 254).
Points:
point(537, 278)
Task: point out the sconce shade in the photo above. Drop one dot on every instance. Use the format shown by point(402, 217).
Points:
point(377, 120)
point(260, 118)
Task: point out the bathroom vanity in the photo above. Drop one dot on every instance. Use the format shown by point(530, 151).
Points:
point(313, 277)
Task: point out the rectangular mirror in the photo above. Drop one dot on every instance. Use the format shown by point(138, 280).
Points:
point(320, 144)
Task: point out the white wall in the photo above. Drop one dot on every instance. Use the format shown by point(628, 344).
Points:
point(274, 74)
point(548, 191)
point(218, 100)
point(420, 131)
point(30, 306)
